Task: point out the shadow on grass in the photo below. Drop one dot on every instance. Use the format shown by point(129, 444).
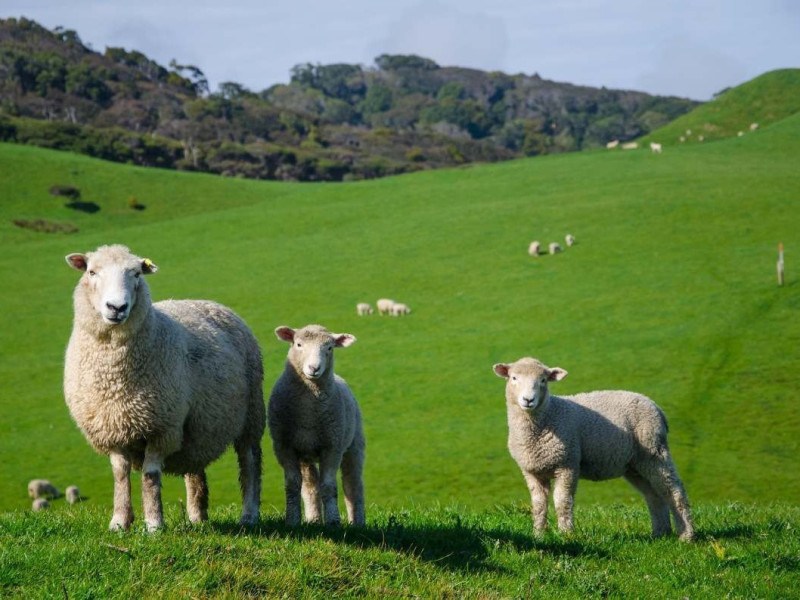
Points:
point(452, 546)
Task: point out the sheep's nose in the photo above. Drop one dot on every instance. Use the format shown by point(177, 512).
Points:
point(119, 309)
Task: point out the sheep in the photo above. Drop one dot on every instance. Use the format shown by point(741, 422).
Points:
point(655, 147)
point(554, 248)
point(399, 309)
point(362, 309)
point(384, 306)
point(740, 134)
point(682, 139)
point(161, 387)
point(40, 504)
point(753, 126)
point(42, 488)
point(570, 239)
point(630, 146)
point(688, 132)
point(314, 418)
point(612, 144)
point(700, 138)
point(533, 248)
point(73, 494)
point(597, 436)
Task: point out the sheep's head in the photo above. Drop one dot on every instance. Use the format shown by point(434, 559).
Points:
point(111, 279)
point(312, 347)
point(527, 380)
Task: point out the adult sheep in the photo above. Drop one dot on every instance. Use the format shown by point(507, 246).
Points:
point(595, 435)
point(384, 306)
point(314, 418)
point(554, 248)
point(161, 387)
point(534, 247)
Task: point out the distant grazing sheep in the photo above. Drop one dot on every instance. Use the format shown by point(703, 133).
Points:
point(161, 387)
point(554, 248)
point(753, 126)
point(596, 436)
point(688, 132)
point(384, 306)
point(630, 145)
point(682, 139)
point(740, 134)
point(73, 494)
point(700, 138)
point(655, 147)
point(570, 239)
point(399, 309)
point(314, 418)
point(40, 504)
point(42, 488)
point(362, 309)
point(612, 144)
point(533, 248)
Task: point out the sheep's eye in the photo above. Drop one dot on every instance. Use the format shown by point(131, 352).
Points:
point(513, 378)
point(92, 273)
point(299, 345)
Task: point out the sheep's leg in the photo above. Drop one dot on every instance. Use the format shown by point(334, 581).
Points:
point(310, 491)
point(660, 472)
point(564, 498)
point(151, 490)
point(123, 511)
point(328, 467)
point(540, 491)
point(249, 457)
point(657, 505)
point(196, 496)
point(292, 482)
point(353, 484)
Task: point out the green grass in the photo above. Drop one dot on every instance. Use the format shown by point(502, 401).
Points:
point(743, 551)
point(670, 290)
point(765, 100)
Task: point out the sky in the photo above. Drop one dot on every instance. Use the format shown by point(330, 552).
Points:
point(686, 48)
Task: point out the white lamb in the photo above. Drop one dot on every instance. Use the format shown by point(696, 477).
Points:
point(655, 147)
point(42, 488)
point(363, 309)
point(570, 239)
point(73, 494)
point(596, 435)
point(753, 126)
point(612, 144)
point(384, 306)
point(533, 248)
point(314, 418)
point(554, 248)
point(161, 387)
point(630, 146)
point(40, 504)
point(399, 309)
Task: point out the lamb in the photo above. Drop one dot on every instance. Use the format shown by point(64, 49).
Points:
point(753, 126)
point(655, 148)
point(40, 504)
point(595, 435)
point(399, 309)
point(533, 248)
point(161, 387)
point(73, 494)
point(42, 488)
point(612, 144)
point(570, 239)
point(554, 247)
point(384, 306)
point(362, 309)
point(314, 418)
point(630, 146)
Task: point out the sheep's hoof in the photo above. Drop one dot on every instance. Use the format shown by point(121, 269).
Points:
point(154, 527)
point(686, 536)
point(248, 520)
point(119, 524)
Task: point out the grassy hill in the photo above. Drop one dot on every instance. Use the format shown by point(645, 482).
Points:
point(670, 290)
point(765, 100)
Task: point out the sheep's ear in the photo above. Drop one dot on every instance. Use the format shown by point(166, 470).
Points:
point(556, 374)
point(343, 340)
point(77, 261)
point(501, 370)
point(148, 266)
point(285, 333)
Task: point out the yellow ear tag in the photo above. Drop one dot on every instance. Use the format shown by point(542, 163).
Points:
point(148, 263)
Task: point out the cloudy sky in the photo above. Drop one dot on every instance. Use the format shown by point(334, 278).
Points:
point(689, 48)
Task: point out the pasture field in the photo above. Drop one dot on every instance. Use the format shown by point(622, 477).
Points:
point(670, 290)
point(418, 552)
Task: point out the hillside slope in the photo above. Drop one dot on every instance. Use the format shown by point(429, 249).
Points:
point(670, 290)
point(765, 100)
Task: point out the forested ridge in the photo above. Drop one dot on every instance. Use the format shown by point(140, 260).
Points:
point(329, 123)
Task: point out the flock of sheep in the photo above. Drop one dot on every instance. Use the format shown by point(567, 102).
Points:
point(656, 148)
point(165, 387)
point(385, 306)
point(41, 491)
point(535, 247)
